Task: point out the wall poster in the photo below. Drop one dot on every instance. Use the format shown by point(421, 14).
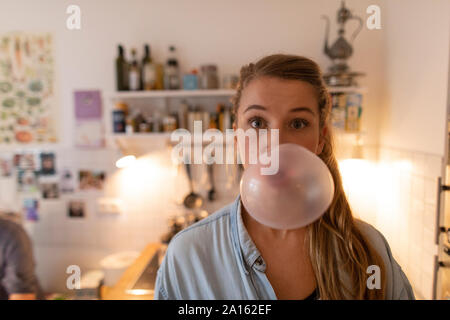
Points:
point(26, 88)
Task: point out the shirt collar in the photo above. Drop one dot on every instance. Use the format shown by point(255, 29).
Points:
point(243, 243)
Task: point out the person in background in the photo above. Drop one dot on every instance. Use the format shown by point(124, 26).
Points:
point(18, 280)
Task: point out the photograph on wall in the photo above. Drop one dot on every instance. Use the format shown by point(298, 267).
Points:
point(67, 181)
point(91, 179)
point(49, 190)
point(26, 88)
point(30, 209)
point(76, 209)
point(6, 166)
point(47, 163)
point(88, 119)
point(28, 160)
point(27, 180)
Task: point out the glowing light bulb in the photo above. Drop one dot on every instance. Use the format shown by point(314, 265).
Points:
point(125, 161)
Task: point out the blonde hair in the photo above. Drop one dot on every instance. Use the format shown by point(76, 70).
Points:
point(335, 243)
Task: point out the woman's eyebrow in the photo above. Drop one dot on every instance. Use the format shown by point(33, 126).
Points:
point(259, 107)
point(254, 106)
point(302, 109)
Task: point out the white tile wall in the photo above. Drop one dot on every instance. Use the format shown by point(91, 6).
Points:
point(404, 185)
point(409, 225)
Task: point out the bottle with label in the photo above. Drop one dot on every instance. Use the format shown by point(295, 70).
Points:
point(338, 110)
point(353, 112)
point(134, 73)
point(148, 77)
point(121, 70)
point(171, 71)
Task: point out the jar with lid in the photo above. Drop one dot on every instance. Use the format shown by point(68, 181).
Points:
point(139, 120)
point(230, 81)
point(120, 113)
point(169, 123)
point(208, 77)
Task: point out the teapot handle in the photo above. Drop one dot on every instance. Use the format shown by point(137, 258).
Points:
point(358, 30)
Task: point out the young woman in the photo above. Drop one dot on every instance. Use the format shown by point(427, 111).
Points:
point(229, 255)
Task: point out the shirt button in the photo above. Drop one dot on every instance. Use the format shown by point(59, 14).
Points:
point(259, 261)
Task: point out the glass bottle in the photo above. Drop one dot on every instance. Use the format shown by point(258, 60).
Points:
point(148, 71)
point(171, 71)
point(121, 70)
point(134, 74)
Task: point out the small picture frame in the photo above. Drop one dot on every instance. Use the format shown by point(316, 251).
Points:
point(49, 190)
point(91, 179)
point(30, 209)
point(76, 209)
point(47, 163)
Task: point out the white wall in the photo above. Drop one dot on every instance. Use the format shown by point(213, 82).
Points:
point(417, 65)
point(407, 204)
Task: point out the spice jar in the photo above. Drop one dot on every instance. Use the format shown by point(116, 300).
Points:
point(120, 113)
point(230, 81)
point(208, 77)
point(169, 123)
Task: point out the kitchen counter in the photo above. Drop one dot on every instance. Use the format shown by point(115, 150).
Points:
point(129, 277)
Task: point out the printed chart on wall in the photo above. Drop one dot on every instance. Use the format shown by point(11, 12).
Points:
point(26, 88)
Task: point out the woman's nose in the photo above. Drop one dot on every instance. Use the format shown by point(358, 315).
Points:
point(284, 137)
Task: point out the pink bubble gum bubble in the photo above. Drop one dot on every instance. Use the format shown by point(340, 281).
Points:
point(295, 196)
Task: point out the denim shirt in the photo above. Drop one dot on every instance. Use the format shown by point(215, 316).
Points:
point(215, 258)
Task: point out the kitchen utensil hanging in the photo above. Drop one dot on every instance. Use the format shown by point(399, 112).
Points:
point(212, 190)
point(192, 200)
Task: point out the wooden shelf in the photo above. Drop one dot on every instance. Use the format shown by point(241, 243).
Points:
point(171, 94)
point(202, 93)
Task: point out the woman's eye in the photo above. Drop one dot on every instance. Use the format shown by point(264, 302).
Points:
point(256, 123)
point(298, 123)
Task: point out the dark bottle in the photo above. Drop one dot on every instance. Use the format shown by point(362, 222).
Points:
point(148, 71)
point(121, 71)
point(171, 71)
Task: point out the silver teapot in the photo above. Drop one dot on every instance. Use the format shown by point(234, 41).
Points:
point(341, 49)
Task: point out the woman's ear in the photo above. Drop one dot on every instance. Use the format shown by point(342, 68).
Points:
point(322, 136)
